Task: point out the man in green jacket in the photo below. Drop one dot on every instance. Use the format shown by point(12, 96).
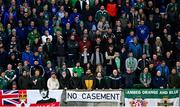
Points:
point(3, 81)
point(78, 69)
point(100, 13)
point(145, 78)
point(33, 36)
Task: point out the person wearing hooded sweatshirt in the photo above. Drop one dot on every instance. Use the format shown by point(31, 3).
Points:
point(88, 81)
point(75, 81)
point(116, 80)
point(173, 80)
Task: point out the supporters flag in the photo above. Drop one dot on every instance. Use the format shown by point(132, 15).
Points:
point(11, 97)
point(30, 98)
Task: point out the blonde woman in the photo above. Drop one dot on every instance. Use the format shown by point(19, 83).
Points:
point(100, 69)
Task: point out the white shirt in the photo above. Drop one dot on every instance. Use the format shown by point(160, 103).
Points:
point(52, 84)
point(45, 37)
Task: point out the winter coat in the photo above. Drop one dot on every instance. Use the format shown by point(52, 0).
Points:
point(173, 81)
point(40, 84)
point(159, 82)
point(136, 49)
point(72, 47)
point(164, 73)
point(116, 82)
point(24, 82)
point(100, 84)
point(63, 83)
point(75, 82)
point(60, 50)
point(129, 80)
point(88, 82)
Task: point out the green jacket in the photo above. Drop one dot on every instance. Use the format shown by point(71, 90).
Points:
point(131, 63)
point(10, 75)
point(145, 78)
point(100, 14)
point(3, 83)
point(73, 2)
point(32, 36)
point(79, 70)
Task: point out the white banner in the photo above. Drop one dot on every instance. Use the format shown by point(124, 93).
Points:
point(93, 96)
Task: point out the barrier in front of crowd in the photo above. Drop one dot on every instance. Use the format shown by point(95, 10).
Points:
point(127, 97)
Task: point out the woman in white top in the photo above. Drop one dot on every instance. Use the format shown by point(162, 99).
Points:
point(53, 83)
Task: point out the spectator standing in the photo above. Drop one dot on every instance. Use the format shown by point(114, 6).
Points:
point(60, 51)
point(72, 50)
point(97, 57)
point(142, 31)
point(101, 13)
point(131, 62)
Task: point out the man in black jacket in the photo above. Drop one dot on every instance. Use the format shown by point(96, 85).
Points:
point(88, 81)
point(37, 81)
point(75, 81)
point(72, 49)
point(80, 5)
point(116, 80)
point(24, 81)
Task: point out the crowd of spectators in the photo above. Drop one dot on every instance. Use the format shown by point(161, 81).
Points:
point(109, 44)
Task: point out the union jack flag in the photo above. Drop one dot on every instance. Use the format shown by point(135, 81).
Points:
point(10, 97)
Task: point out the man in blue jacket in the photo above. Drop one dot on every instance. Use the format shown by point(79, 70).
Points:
point(27, 55)
point(21, 35)
point(159, 81)
point(135, 48)
point(142, 31)
point(163, 68)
